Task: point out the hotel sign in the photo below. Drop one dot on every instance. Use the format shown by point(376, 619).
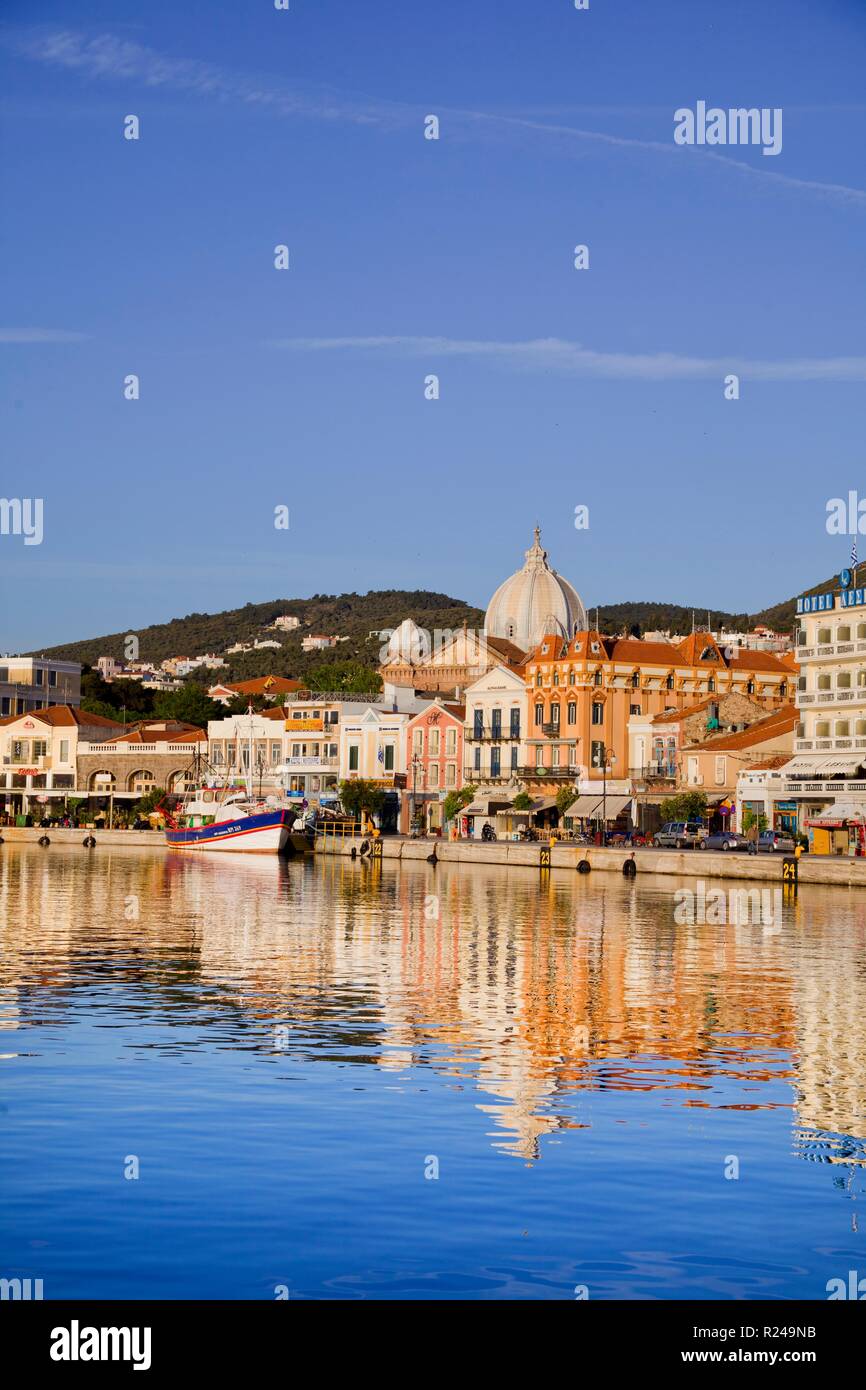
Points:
point(823, 603)
point(816, 603)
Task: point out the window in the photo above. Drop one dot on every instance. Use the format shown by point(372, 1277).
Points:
point(514, 763)
point(418, 741)
point(711, 683)
point(861, 631)
point(572, 757)
point(496, 723)
point(571, 712)
point(539, 758)
point(634, 709)
point(669, 683)
point(389, 757)
point(64, 750)
point(434, 775)
point(554, 715)
point(750, 687)
point(635, 680)
point(843, 680)
point(783, 689)
point(515, 723)
point(597, 678)
point(451, 774)
point(597, 712)
point(596, 756)
point(495, 761)
point(477, 760)
point(478, 722)
point(450, 742)
point(539, 714)
point(555, 675)
point(843, 728)
point(823, 682)
point(38, 677)
point(52, 678)
point(822, 728)
point(571, 678)
point(354, 757)
point(721, 764)
point(555, 756)
point(434, 743)
point(843, 634)
point(824, 635)
point(538, 679)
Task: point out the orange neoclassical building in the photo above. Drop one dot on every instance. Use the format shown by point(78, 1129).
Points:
point(582, 692)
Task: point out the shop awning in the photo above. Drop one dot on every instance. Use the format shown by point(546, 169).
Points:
point(591, 807)
point(803, 765)
point(485, 805)
point(840, 762)
point(838, 814)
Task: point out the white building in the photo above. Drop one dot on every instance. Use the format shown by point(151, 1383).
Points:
point(39, 752)
point(826, 777)
point(495, 731)
point(31, 682)
point(286, 623)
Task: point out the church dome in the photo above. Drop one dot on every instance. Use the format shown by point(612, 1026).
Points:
point(534, 601)
point(408, 643)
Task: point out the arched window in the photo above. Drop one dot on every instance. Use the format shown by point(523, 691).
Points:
point(669, 683)
point(102, 783)
point(141, 781)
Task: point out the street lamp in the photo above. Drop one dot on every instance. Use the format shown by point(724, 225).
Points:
point(604, 759)
point(416, 763)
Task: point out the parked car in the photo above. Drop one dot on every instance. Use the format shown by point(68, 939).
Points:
point(771, 841)
point(727, 839)
point(679, 834)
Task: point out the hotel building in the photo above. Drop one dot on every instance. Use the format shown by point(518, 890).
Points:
point(826, 777)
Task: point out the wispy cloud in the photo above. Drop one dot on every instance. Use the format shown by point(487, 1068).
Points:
point(40, 335)
point(106, 56)
point(110, 57)
point(573, 359)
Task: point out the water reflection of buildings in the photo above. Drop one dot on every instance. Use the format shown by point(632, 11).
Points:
point(538, 993)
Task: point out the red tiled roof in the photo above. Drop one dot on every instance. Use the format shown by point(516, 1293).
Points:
point(266, 685)
point(781, 721)
point(65, 716)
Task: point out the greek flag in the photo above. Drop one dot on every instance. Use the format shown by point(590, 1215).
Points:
point(380, 756)
point(854, 553)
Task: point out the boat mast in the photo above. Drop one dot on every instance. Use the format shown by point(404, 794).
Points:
point(250, 757)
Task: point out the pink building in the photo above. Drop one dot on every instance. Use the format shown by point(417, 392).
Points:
point(434, 762)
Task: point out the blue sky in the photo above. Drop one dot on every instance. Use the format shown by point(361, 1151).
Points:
point(305, 388)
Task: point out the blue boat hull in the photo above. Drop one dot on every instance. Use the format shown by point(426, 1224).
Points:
point(266, 833)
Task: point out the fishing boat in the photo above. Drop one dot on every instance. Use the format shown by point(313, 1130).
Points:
point(226, 819)
point(217, 814)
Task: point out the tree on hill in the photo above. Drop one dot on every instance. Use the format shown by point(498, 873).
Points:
point(351, 676)
point(190, 704)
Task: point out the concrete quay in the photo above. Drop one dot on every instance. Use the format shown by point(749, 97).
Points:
point(31, 834)
point(690, 863)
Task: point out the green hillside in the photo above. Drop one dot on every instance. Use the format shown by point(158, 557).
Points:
point(357, 615)
point(349, 615)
